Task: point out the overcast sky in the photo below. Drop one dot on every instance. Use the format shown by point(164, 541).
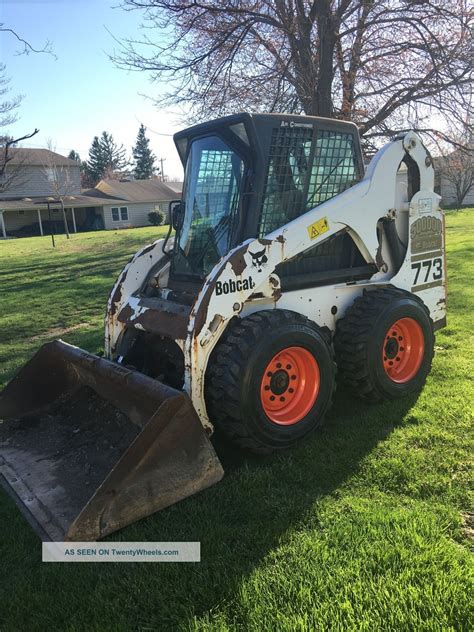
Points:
point(75, 97)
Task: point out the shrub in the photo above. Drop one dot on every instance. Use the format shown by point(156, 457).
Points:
point(157, 218)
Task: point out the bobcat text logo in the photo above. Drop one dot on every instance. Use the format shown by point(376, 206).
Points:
point(259, 259)
point(231, 286)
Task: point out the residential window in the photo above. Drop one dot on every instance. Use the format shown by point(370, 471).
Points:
point(119, 214)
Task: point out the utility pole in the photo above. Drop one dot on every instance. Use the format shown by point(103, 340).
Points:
point(162, 173)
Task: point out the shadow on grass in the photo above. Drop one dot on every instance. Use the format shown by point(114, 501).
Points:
point(238, 522)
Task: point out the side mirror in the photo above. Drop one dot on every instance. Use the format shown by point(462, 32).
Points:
point(176, 213)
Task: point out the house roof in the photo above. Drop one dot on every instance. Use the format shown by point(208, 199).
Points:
point(38, 157)
point(135, 190)
point(41, 202)
point(175, 186)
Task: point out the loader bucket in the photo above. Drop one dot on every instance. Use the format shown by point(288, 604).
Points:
point(88, 446)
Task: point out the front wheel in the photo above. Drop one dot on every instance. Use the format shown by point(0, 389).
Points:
point(385, 344)
point(270, 380)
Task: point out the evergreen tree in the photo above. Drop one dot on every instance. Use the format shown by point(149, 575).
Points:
point(105, 158)
point(143, 156)
point(95, 166)
point(113, 155)
point(73, 155)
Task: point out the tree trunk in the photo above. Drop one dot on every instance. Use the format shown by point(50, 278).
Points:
point(327, 43)
point(66, 227)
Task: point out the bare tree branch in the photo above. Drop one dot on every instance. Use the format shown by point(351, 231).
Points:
point(27, 48)
point(380, 63)
point(10, 178)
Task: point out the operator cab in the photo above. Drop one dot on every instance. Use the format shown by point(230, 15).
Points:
point(247, 175)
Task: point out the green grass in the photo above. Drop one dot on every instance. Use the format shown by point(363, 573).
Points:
point(362, 527)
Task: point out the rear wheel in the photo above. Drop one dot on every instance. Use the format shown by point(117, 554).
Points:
point(270, 380)
point(385, 344)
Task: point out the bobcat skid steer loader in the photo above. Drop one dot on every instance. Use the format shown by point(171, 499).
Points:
point(287, 260)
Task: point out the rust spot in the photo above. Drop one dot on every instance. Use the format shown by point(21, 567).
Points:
point(379, 262)
point(147, 249)
point(158, 321)
point(265, 242)
point(281, 239)
point(201, 312)
point(237, 263)
point(117, 295)
point(276, 294)
point(125, 314)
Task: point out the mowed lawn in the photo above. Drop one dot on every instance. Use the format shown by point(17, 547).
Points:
point(365, 526)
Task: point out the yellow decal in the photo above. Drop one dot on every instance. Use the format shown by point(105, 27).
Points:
point(318, 228)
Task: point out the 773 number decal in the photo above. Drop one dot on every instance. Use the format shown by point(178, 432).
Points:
point(428, 270)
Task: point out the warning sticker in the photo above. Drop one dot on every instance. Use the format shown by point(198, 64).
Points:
point(318, 228)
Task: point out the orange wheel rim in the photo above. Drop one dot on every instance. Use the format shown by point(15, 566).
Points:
point(290, 385)
point(403, 350)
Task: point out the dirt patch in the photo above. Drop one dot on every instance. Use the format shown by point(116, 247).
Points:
point(468, 525)
point(57, 332)
point(65, 452)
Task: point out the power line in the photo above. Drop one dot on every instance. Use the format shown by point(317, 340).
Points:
point(148, 129)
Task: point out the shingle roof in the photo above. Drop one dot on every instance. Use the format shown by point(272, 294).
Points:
point(41, 202)
point(39, 157)
point(175, 186)
point(136, 190)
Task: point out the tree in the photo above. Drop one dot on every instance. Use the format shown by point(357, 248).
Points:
point(457, 168)
point(26, 47)
point(60, 181)
point(9, 115)
point(143, 156)
point(106, 159)
point(385, 64)
point(73, 155)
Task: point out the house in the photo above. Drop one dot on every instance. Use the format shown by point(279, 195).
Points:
point(138, 198)
point(37, 180)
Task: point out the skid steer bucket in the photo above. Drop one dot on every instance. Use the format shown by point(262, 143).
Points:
point(88, 446)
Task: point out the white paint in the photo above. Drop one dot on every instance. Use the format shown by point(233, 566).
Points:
point(73, 220)
point(40, 222)
point(357, 210)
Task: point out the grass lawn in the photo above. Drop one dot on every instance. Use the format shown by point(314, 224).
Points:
point(363, 527)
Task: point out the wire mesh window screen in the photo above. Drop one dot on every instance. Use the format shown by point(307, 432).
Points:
point(296, 183)
point(334, 166)
point(288, 170)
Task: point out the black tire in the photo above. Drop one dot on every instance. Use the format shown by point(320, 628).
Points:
point(237, 366)
point(362, 335)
